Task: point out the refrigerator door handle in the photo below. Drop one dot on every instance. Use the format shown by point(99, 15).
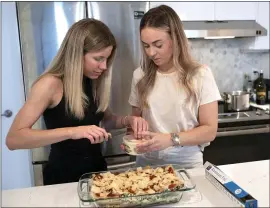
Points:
point(123, 165)
point(39, 162)
point(38, 174)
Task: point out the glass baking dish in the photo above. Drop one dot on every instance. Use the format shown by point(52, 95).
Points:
point(166, 197)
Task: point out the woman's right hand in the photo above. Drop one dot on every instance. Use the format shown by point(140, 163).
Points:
point(138, 125)
point(94, 133)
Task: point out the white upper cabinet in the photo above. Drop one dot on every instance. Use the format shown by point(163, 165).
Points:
point(262, 43)
point(190, 11)
point(236, 10)
point(201, 11)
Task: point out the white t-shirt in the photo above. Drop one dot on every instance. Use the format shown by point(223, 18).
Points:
point(168, 111)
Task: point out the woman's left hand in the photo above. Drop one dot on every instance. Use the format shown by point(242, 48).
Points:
point(156, 142)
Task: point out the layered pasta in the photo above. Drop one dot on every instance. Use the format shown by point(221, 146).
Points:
point(140, 181)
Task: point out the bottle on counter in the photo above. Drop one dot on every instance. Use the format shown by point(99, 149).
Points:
point(251, 91)
point(256, 79)
point(260, 90)
point(249, 86)
point(246, 79)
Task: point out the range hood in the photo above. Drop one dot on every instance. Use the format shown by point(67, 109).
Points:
point(223, 29)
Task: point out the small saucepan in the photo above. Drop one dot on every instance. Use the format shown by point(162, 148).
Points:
point(238, 100)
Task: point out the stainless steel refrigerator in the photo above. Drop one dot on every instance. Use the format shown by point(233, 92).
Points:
point(42, 27)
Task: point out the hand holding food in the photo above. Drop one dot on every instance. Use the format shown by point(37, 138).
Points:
point(94, 133)
point(138, 125)
point(157, 142)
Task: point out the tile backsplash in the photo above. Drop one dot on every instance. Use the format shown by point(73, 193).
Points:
point(227, 62)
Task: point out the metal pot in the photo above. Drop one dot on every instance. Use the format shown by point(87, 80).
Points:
point(238, 100)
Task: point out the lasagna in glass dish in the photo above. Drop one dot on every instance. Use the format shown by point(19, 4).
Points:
point(139, 186)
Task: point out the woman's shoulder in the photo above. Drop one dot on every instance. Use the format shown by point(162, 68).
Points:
point(138, 73)
point(47, 85)
point(50, 81)
point(45, 88)
point(203, 72)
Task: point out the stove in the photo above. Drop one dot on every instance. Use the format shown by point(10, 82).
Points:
point(250, 121)
point(241, 137)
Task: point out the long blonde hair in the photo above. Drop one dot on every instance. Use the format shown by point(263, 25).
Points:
point(86, 35)
point(164, 17)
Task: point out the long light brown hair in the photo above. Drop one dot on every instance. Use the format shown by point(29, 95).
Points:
point(86, 35)
point(164, 17)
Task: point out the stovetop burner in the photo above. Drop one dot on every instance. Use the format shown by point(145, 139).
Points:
point(234, 115)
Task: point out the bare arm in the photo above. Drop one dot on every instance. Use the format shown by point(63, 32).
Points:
point(112, 121)
point(21, 135)
point(135, 112)
point(207, 129)
point(133, 123)
point(205, 132)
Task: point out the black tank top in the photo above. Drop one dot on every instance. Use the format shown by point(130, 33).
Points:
point(57, 117)
point(70, 159)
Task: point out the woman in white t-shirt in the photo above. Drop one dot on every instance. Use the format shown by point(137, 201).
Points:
point(176, 95)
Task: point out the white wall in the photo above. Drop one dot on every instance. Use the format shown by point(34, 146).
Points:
point(16, 165)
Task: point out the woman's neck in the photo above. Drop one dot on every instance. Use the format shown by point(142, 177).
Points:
point(166, 68)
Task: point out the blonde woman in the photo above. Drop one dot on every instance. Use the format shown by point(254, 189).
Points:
point(176, 95)
point(73, 96)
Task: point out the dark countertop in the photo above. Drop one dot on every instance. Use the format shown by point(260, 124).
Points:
point(227, 117)
point(244, 116)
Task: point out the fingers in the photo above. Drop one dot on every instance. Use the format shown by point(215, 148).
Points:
point(122, 147)
point(109, 135)
point(105, 134)
point(135, 128)
point(90, 137)
point(94, 133)
point(139, 127)
point(147, 134)
point(145, 125)
point(145, 144)
point(149, 148)
point(98, 134)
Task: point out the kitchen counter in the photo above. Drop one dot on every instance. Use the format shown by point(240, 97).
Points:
point(254, 114)
point(252, 176)
point(241, 123)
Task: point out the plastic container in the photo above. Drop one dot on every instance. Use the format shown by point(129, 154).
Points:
point(130, 144)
